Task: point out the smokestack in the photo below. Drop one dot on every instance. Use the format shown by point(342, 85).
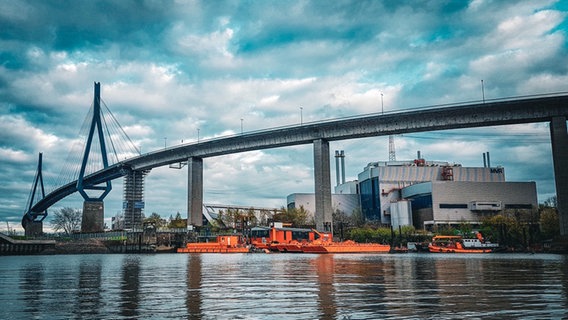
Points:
point(418, 154)
point(488, 161)
point(484, 160)
point(342, 155)
point(337, 167)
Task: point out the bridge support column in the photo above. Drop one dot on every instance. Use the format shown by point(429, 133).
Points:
point(34, 229)
point(559, 140)
point(323, 214)
point(93, 216)
point(195, 191)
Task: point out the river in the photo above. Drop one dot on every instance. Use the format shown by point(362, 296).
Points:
point(284, 286)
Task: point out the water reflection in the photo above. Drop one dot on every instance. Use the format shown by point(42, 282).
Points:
point(325, 270)
point(360, 285)
point(193, 279)
point(32, 285)
point(563, 267)
point(89, 288)
point(421, 283)
point(130, 286)
point(285, 286)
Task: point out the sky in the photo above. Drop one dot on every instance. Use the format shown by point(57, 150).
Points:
point(176, 71)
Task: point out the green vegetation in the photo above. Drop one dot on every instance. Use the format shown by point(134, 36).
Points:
point(296, 217)
point(155, 220)
point(517, 228)
point(178, 222)
point(385, 235)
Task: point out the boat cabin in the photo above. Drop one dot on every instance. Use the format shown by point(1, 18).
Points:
point(262, 237)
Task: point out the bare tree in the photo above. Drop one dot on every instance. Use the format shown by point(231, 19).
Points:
point(66, 219)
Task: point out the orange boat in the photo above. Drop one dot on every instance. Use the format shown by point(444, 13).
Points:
point(281, 239)
point(292, 246)
point(326, 245)
point(453, 244)
point(224, 244)
point(347, 246)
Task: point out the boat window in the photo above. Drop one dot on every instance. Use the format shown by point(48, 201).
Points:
point(300, 235)
point(259, 233)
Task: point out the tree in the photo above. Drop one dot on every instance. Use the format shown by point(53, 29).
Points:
point(155, 220)
point(357, 218)
point(549, 222)
point(66, 219)
point(178, 222)
point(296, 216)
point(551, 202)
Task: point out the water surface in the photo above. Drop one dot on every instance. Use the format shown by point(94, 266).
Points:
point(284, 286)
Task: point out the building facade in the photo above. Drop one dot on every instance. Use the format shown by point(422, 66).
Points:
point(426, 194)
point(454, 202)
point(380, 183)
point(345, 202)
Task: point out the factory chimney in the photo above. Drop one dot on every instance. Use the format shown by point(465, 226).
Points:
point(342, 155)
point(337, 166)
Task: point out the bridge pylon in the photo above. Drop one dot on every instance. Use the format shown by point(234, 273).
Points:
point(93, 207)
point(33, 221)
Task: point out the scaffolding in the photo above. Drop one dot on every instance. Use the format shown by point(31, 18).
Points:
point(133, 199)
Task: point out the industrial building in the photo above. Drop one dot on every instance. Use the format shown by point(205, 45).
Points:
point(425, 193)
point(428, 193)
point(455, 202)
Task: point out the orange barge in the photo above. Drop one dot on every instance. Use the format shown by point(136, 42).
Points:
point(348, 246)
point(453, 244)
point(326, 245)
point(224, 244)
point(308, 241)
point(282, 239)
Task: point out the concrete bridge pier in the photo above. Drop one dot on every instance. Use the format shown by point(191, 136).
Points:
point(559, 140)
point(34, 229)
point(93, 216)
point(323, 214)
point(195, 191)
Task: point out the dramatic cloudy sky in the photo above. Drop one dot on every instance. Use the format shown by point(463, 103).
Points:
point(169, 69)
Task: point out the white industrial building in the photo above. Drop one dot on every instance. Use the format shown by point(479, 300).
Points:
point(425, 193)
point(437, 192)
point(456, 202)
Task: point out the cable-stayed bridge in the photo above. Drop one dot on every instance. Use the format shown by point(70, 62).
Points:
point(552, 108)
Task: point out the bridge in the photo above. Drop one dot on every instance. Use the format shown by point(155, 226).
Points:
point(546, 108)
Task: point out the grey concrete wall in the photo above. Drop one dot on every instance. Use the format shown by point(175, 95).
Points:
point(34, 229)
point(559, 140)
point(93, 216)
point(195, 191)
point(322, 176)
point(454, 192)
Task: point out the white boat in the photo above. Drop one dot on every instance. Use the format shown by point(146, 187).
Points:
point(479, 242)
